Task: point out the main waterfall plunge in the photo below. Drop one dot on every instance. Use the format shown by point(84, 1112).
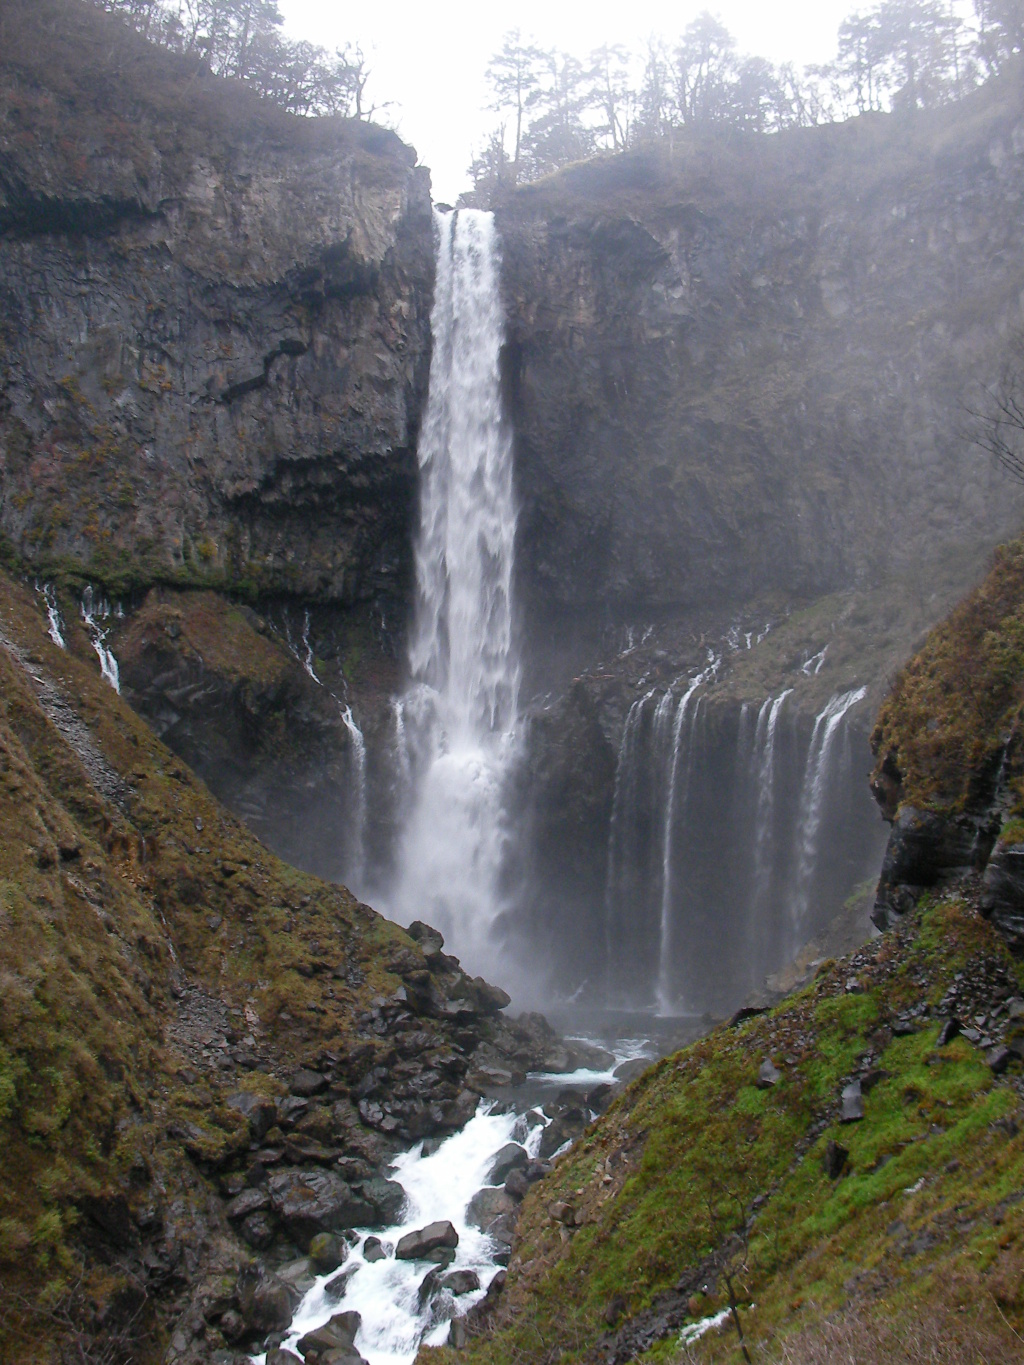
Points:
point(732, 831)
point(455, 727)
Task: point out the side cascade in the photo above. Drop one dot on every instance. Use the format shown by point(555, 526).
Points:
point(735, 835)
point(95, 613)
point(456, 724)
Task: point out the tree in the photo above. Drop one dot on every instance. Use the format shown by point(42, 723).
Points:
point(998, 422)
point(557, 134)
point(611, 94)
point(1000, 32)
point(513, 74)
point(655, 105)
point(704, 71)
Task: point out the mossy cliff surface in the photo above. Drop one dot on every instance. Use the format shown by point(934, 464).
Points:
point(181, 1014)
point(215, 322)
point(949, 766)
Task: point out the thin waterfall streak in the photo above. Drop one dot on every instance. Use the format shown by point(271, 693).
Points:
point(358, 857)
point(91, 609)
point(767, 723)
point(812, 799)
point(623, 804)
point(663, 990)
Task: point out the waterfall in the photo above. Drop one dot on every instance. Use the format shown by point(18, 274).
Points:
point(91, 609)
point(664, 993)
point(814, 788)
point(624, 872)
point(460, 712)
point(55, 626)
point(357, 861)
point(764, 820)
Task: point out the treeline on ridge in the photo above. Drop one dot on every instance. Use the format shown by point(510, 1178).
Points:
point(901, 55)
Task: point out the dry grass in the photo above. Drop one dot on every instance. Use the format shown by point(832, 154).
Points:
point(937, 1337)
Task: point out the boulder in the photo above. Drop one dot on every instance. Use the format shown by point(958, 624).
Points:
point(298, 1277)
point(835, 1159)
point(510, 1158)
point(278, 1356)
point(337, 1335)
point(460, 1282)
point(327, 1252)
point(924, 848)
point(373, 1250)
point(628, 1071)
point(488, 999)
point(853, 1103)
point(487, 1206)
point(335, 1288)
point(431, 941)
point(566, 1127)
point(259, 1111)
point(416, 1246)
point(254, 1200)
point(517, 1186)
point(263, 1301)
point(308, 1202)
point(305, 1083)
point(387, 1198)
point(258, 1230)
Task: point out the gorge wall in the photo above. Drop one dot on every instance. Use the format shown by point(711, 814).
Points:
point(735, 372)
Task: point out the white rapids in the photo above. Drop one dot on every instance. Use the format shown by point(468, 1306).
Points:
point(385, 1292)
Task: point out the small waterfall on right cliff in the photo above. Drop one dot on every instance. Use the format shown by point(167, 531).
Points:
point(735, 833)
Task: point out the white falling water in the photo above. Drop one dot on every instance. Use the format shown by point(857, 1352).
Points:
point(764, 823)
point(664, 992)
point(812, 799)
point(624, 801)
point(307, 651)
point(94, 612)
point(55, 626)
point(357, 862)
point(460, 713)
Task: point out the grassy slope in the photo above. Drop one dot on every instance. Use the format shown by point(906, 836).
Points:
point(922, 1238)
point(694, 1147)
point(103, 908)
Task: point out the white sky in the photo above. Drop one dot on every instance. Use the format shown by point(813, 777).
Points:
point(430, 59)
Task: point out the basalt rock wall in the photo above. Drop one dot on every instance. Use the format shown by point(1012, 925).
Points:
point(214, 325)
point(739, 366)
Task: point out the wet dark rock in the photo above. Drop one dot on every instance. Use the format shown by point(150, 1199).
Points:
point(277, 1355)
point(835, 1159)
point(336, 1287)
point(510, 1158)
point(517, 1186)
point(387, 1198)
point(373, 1250)
point(260, 1112)
point(338, 1334)
point(566, 1127)
point(600, 1097)
point(948, 1031)
point(487, 1206)
point(258, 1230)
point(923, 849)
point(461, 1282)
point(327, 1252)
point(431, 941)
point(458, 1335)
point(416, 1246)
point(298, 1276)
point(628, 1071)
point(441, 1256)
point(263, 1301)
point(249, 1201)
point(312, 1201)
point(428, 1286)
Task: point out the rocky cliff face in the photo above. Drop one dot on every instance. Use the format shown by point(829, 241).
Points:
point(737, 368)
point(214, 335)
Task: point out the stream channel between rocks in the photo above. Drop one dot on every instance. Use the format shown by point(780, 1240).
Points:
point(404, 1302)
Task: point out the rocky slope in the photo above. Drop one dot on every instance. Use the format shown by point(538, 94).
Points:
point(206, 1057)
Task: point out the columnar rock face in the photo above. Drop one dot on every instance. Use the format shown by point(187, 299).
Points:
point(740, 366)
point(213, 334)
